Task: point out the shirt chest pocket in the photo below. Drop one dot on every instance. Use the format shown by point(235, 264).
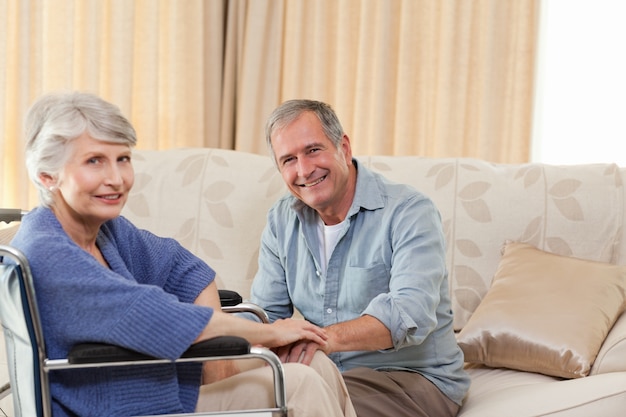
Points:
point(361, 284)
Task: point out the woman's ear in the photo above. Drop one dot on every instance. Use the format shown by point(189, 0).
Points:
point(47, 180)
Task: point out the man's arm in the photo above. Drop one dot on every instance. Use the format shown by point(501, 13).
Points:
point(363, 333)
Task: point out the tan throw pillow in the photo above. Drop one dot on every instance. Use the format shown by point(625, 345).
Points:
point(544, 313)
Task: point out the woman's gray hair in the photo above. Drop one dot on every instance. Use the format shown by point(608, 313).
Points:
point(290, 110)
point(56, 119)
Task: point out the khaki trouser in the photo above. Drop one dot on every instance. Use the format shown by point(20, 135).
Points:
point(317, 390)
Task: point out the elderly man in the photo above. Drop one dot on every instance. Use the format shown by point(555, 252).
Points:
point(364, 258)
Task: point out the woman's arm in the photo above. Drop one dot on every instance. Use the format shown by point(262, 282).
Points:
point(279, 333)
point(213, 371)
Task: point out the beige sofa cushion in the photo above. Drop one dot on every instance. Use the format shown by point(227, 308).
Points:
point(504, 393)
point(545, 313)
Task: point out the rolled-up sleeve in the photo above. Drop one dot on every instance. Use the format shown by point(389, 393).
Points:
point(416, 261)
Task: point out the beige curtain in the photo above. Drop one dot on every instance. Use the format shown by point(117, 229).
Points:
point(428, 77)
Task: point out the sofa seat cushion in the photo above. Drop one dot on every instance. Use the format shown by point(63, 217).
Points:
point(612, 355)
point(545, 313)
point(505, 392)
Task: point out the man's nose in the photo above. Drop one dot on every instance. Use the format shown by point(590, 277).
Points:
point(305, 168)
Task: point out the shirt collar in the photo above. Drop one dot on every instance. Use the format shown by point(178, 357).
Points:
point(369, 190)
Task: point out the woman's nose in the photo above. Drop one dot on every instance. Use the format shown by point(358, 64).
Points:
point(114, 176)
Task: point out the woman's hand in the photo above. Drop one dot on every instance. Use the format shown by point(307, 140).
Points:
point(288, 331)
point(280, 333)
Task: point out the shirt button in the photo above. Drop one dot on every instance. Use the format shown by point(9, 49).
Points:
point(329, 310)
point(318, 273)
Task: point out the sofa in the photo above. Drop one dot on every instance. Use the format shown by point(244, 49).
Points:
point(536, 257)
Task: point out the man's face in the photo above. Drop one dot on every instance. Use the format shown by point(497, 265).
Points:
point(314, 170)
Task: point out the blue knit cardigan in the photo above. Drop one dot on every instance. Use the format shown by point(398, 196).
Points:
point(143, 302)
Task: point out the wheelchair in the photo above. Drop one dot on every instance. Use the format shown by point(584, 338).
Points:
point(29, 366)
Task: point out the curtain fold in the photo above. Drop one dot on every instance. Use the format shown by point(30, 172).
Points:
point(433, 78)
point(429, 77)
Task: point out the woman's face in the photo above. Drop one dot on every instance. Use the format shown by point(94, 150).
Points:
point(93, 185)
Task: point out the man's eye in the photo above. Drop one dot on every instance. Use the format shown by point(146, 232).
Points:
point(93, 160)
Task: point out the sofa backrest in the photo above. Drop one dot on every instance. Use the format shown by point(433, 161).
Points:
point(568, 210)
point(215, 203)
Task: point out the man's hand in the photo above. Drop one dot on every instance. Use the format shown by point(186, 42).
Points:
point(299, 352)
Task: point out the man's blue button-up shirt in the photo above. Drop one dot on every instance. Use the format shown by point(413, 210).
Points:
point(389, 263)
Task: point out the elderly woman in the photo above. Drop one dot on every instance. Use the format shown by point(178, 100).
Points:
point(101, 279)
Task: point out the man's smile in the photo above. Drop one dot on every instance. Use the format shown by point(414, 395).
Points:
point(311, 184)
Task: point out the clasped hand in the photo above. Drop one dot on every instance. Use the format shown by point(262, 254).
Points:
point(291, 333)
point(299, 352)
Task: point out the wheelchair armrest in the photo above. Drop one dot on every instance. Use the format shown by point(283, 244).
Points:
point(8, 215)
point(248, 308)
point(85, 353)
point(218, 346)
point(232, 302)
point(229, 298)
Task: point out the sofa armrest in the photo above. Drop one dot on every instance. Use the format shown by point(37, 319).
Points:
point(612, 354)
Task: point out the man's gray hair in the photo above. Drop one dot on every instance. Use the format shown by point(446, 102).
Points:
point(290, 110)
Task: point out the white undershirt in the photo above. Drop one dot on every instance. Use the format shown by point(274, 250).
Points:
point(328, 237)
